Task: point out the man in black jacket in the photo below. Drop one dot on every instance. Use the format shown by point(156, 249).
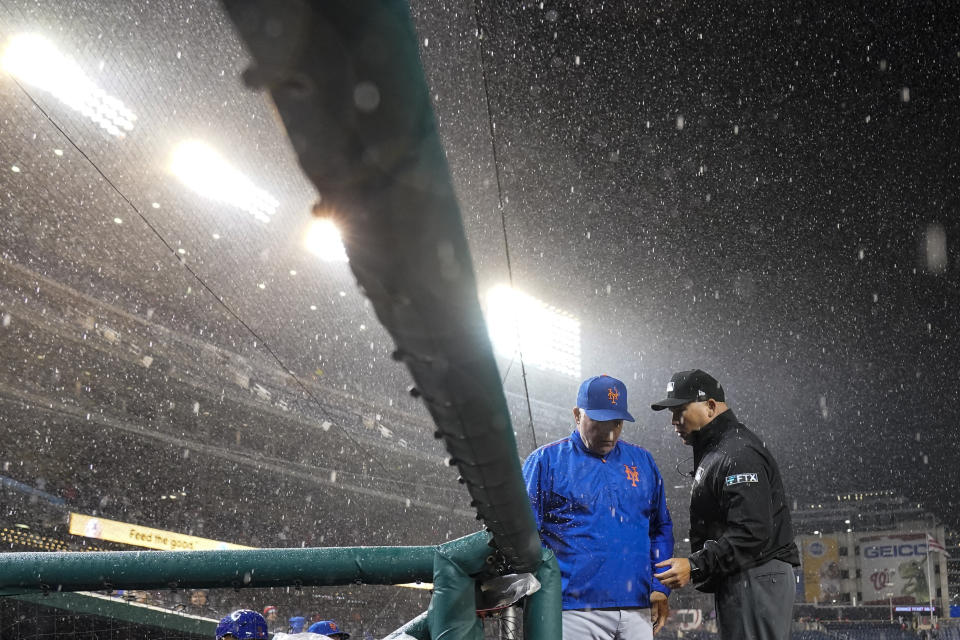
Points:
point(740, 532)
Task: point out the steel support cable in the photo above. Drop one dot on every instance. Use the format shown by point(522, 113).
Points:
point(501, 209)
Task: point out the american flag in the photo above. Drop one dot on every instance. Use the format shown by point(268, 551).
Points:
point(933, 545)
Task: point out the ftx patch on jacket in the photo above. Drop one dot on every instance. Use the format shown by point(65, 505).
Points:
point(739, 517)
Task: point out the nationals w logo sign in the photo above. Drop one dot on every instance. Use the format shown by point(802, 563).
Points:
point(880, 579)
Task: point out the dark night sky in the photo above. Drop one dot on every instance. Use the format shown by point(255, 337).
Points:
point(757, 185)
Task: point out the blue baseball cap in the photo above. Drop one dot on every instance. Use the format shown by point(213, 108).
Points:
point(243, 624)
point(328, 628)
point(604, 398)
point(297, 623)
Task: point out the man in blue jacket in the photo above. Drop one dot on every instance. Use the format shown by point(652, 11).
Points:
point(600, 507)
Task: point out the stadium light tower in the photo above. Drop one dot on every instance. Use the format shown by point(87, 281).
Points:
point(546, 336)
point(35, 61)
point(323, 240)
point(209, 174)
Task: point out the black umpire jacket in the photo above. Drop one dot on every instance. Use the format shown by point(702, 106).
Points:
point(738, 512)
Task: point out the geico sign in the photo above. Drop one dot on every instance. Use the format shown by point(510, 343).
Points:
point(895, 550)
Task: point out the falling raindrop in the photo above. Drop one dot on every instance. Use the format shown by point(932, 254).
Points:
point(935, 248)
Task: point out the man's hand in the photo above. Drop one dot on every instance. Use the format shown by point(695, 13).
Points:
point(677, 575)
point(659, 609)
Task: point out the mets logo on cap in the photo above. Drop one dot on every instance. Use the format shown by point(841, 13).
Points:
point(604, 398)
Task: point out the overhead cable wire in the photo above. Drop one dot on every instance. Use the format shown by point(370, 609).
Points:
point(500, 207)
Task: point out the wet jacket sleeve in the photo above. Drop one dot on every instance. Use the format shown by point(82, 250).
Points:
point(661, 531)
point(745, 499)
point(532, 468)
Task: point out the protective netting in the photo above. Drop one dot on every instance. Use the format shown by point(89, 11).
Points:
point(32, 621)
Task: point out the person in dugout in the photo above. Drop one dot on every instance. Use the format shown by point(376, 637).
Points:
point(242, 624)
point(328, 628)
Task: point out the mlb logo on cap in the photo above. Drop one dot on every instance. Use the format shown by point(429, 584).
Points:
point(690, 386)
point(604, 398)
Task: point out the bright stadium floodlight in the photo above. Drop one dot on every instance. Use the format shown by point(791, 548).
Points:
point(205, 171)
point(324, 241)
point(35, 61)
point(547, 337)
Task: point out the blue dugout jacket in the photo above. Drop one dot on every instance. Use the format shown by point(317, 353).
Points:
point(605, 518)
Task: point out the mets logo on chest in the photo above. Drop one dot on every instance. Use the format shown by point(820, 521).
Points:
point(632, 475)
point(613, 394)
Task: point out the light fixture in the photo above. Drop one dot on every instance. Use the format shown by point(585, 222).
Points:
point(35, 61)
point(546, 336)
point(323, 240)
point(207, 173)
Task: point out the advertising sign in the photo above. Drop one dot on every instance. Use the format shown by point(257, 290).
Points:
point(133, 534)
point(894, 567)
point(821, 569)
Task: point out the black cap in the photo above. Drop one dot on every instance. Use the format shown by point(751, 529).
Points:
point(690, 386)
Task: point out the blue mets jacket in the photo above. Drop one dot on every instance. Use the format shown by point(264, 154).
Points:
point(605, 518)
